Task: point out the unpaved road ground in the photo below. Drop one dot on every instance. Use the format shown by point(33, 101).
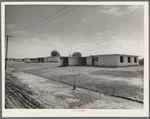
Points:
point(25, 90)
point(122, 81)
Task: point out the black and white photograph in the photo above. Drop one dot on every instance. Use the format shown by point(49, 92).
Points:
point(75, 58)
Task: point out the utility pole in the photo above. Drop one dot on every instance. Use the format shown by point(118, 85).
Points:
point(7, 36)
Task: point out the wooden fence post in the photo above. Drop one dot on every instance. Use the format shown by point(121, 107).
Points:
point(113, 91)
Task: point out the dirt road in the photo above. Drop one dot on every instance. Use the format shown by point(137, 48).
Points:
point(30, 91)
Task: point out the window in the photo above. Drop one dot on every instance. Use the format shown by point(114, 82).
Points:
point(135, 60)
point(121, 59)
point(96, 59)
point(129, 59)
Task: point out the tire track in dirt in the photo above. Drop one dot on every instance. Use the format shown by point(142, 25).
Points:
point(18, 95)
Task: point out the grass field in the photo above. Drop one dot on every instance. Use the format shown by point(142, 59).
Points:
point(125, 81)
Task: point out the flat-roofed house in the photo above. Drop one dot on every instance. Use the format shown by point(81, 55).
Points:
point(117, 60)
point(10, 59)
point(127, 60)
point(108, 60)
point(92, 61)
point(30, 60)
point(19, 60)
point(74, 61)
point(42, 59)
point(53, 59)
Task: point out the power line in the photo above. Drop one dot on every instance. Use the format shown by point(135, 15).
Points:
point(54, 18)
point(7, 36)
point(37, 19)
point(45, 18)
point(25, 21)
point(49, 16)
point(42, 20)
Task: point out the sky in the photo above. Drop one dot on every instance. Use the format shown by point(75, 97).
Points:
point(92, 30)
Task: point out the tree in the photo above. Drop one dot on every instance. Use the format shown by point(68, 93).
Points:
point(141, 61)
point(55, 53)
point(76, 54)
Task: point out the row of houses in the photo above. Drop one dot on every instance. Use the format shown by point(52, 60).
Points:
point(16, 60)
point(43, 59)
point(35, 60)
point(109, 60)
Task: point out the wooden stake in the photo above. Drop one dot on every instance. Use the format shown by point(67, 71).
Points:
point(100, 96)
point(113, 90)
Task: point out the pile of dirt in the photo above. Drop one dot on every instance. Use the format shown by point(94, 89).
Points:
point(18, 95)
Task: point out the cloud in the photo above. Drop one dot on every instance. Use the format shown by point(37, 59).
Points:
point(107, 36)
point(45, 35)
point(32, 40)
point(120, 42)
point(106, 33)
point(115, 10)
point(19, 32)
point(88, 19)
point(11, 26)
point(136, 7)
point(103, 44)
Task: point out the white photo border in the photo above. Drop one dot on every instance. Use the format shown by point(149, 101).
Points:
point(88, 112)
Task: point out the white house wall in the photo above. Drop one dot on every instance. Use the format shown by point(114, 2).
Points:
point(74, 61)
point(19, 60)
point(35, 60)
point(27, 60)
point(107, 61)
point(89, 61)
point(96, 63)
point(46, 59)
point(52, 59)
point(126, 63)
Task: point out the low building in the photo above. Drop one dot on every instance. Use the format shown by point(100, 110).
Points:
point(16, 60)
point(19, 60)
point(42, 59)
point(110, 60)
point(30, 60)
point(52, 59)
point(73, 61)
point(10, 59)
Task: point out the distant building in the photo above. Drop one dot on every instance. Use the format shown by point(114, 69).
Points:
point(52, 59)
point(19, 60)
point(42, 59)
point(14, 59)
point(27, 60)
point(110, 60)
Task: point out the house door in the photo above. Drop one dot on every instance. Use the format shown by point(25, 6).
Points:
point(38, 59)
point(65, 61)
point(92, 61)
point(42, 59)
point(84, 62)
